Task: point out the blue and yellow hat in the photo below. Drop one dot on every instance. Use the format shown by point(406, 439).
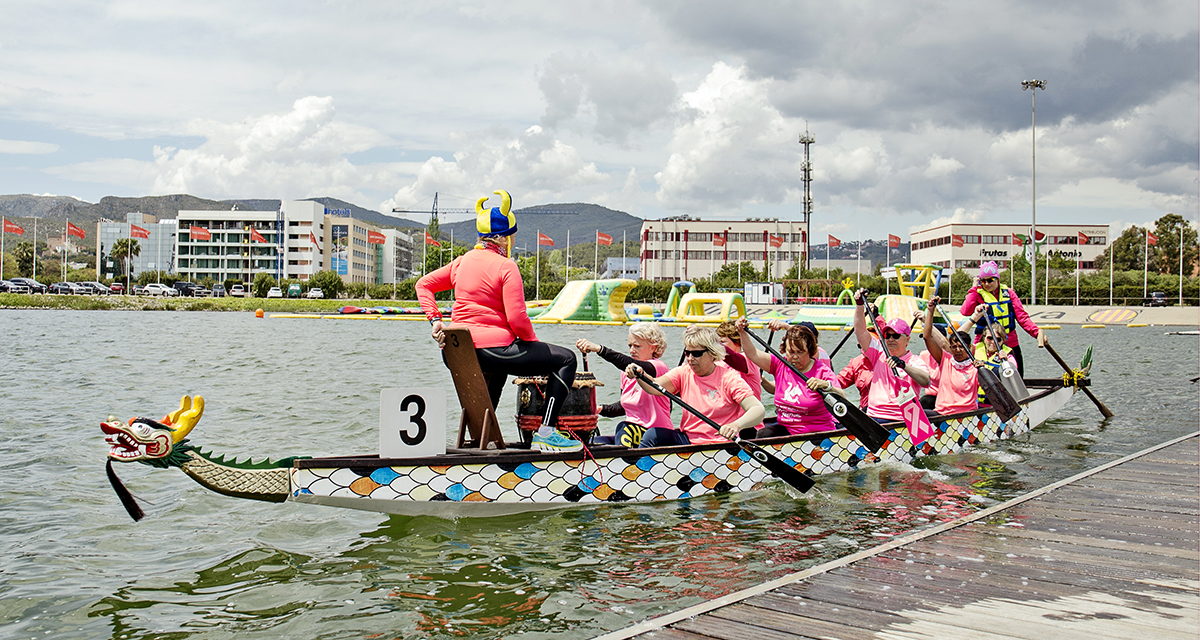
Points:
point(497, 221)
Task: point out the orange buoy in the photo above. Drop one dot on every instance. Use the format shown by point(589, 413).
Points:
point(258, 313)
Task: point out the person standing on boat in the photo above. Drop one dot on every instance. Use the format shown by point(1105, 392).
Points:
point(1005, 307)
point(490, 301)
point(709, 386)
point(958, 382)
point(798, 406)
point(886, 386)
point(641, 410)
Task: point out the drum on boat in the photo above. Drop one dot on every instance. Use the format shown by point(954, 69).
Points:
point(578, 415)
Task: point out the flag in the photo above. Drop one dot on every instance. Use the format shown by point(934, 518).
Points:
point(956, 240)
point(312, 236)
point(12, 227)
point(256, 236)
point(603, 238)
point(200, 233)
point(1039, 236)
point(776, 241)
point(73, 230)
point(1151, 238)
point(894, 241)
point(834, 242)
point(374, 237)
point(138, 232)
point(718, 240)
point(545, 239)
point(1019, 239)
point(429, 240)
point(1083, 238)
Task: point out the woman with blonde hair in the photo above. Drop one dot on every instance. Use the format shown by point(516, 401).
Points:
point(641, 410)
point(710, 387)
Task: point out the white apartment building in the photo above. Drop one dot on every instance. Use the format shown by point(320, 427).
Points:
point(966, 246)
point(681, 248)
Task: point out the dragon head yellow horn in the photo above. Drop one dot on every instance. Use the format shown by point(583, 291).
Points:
point(184, 420)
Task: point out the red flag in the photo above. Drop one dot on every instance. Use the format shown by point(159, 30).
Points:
point(893, 241)
point(256, 236)
point(1018, 239)
point(956, 241)
point(429, 240)
point(73, 230)
point(718, 240)
point(834, 242)
point(776, 241)
point(200, 233)
point(312, 236)
point(1083, 238)
point(12, 227)
point(545, 239)
point(138, 232)
point(374, 237)
point(1151, 238)
point(603, 238)
point(1039, 236)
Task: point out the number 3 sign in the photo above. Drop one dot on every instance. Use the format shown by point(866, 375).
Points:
point(412, 423)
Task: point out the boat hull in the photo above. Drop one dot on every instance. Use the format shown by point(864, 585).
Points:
point(510, 482)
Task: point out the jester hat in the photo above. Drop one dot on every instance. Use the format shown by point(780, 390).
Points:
point(497, 221)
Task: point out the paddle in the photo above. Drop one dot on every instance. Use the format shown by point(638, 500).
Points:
point(993, 389)
point(839, 347)
point(1009, 375)
point(783, 470)
point(915, 419)
point(864, 427)
point(1099, 405)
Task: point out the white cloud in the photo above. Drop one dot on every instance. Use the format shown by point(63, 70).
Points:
point(27, 147)
point(939, 166)
point(623, 97)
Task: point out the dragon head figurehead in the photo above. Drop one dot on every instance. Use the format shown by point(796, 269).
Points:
point(152, 441)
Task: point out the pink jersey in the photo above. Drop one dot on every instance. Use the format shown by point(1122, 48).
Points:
point(489, 297)
point(885, 385)
point(797, 407)
point(959, 389)
point(935, 372)
point(718, 395)
point(643, 408)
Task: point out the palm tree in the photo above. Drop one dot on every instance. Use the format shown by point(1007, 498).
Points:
point(122, 249)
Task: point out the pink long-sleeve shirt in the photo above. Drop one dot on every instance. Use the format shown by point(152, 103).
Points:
point(489, 297)
point(1018, 311)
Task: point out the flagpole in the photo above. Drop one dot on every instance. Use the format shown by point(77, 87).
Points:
point(858, 264)
point(1145, 260)
point(1077, 263)
point(1181, 262)
point(537, 268)
point(567, 279)
point(827, 243)
point(4, 232)
point(888, 281)
point(623, 254)
point(35, 248)
point(1110, 273)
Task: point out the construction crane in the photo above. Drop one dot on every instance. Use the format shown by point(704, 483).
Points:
point(433, 212)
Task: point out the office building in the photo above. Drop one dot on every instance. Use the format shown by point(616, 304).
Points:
point(681, 248)
point(966, 246)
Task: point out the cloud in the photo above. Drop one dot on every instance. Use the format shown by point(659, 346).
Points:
point(18, 147)
point(623, 97)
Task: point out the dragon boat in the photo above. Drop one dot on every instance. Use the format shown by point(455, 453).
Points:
point(475, 482)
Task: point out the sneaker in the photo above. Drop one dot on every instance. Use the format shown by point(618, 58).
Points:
point(556, 441)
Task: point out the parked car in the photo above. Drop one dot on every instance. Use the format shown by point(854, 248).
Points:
point(117, 288)
point(218, 291)
point(293, 291)
point(1156, 299)
point(13, 287)
point(67, 288)
point(237, 290)
point(192, 289)
point(315, 292)
point(34, 285)
point(95, 288)
point(275, 292)
point(157, 289)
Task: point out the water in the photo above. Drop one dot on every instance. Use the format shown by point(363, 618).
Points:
point(205, 566)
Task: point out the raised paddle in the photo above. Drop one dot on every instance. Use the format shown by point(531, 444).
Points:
point(1099, 405)
point(919, 429)
point(851, 417)
point(839, 347)
point(783, 470)
point(1009, 376)
point(993, 389)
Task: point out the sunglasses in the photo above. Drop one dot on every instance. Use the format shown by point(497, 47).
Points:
point(987, 280)
point(695, 353)
point(892, 335)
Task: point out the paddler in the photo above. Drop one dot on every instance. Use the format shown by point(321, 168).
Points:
point(1005, 307)
point(886, 386)
point(490, 301)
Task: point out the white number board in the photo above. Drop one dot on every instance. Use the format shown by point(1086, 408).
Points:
point(412, 423)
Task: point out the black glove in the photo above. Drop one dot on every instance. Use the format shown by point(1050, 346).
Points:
point(614, 410)
point(896, 361)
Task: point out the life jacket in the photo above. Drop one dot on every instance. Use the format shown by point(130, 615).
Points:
point(992, 363)
point(1001, 309)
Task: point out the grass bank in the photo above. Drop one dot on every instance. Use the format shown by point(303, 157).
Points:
point(147, 303)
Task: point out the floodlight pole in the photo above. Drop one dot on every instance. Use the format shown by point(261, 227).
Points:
point(1033, 85)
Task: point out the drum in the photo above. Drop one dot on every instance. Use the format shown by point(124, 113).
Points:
point(578, 415)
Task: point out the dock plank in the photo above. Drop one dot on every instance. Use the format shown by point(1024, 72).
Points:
point(1109, 554)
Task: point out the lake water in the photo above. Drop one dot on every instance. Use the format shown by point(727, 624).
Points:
point(201, 565)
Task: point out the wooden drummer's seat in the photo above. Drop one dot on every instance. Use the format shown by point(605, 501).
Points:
point(478, 414)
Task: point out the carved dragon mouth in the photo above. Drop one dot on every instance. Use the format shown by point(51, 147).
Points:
point(135, 441)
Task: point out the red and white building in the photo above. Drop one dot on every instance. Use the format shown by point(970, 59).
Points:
point(681, 248)
point(966, 246)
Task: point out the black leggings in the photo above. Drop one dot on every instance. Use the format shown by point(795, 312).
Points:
point(530, 359)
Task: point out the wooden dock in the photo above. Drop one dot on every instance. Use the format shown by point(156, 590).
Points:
point(1113, 552)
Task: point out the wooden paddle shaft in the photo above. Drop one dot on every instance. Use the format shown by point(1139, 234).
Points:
point(1104, 411)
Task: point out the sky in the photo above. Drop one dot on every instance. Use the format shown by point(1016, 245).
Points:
point(657, 108)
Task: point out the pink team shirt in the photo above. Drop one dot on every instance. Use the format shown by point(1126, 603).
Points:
point(489, 297)
point(643, 408)
point(935, 372)
point(885, 386)
point(717, 395)
point(797, 407)
point(958, 388)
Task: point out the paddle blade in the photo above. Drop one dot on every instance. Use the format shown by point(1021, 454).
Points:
point(997, 395)
point(781, 469)
point(127, 500)
point(872, 434)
